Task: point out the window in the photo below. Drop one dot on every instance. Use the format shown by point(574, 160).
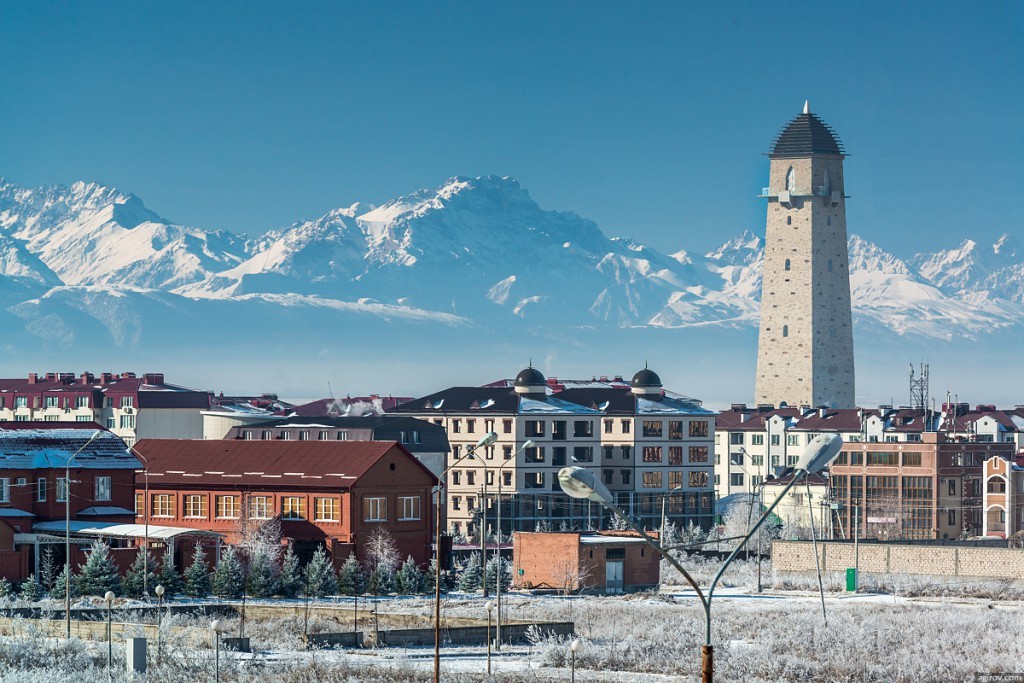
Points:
point(652, 453)
point(81, 401)
point(506, 478)
point(375, 509)
point(416, 436)
point(698, 454)
point(626, 452)
point(5, 490)
point(304, 435)
point(195, 505)
point(698, 428)
point(322, 436)
point(652, 480)
point(675, 455)
point(775, 439)
point(227, 507)
point(506, 452)
point(830, 260)
point(456, 503)
point(883, 459)
point(470, 426)
point(260, 507)
point(583, 454)
point(162, 506)
point(625, 476)
point(111, 423)
point(787, 264)
point(293, 507)
point(489, 477)
point(785, 330)
point(127, 401)
point(534, 428)
point(736, 479)
point(736, 439)
point(506, 426)
point(140, 504)
point(583, 429)
point(410, 508)
point(456, 478)
point(247, 435)
point(558, 456)
point(41, 489)
point(534, 480)
point(912, 459)
point(471, 478)
point(606, 476)
point(127, 422)
point(456, 426)
point(608, 426)
point(652, 429)
point(792, 439)
point(21, 401)
point(102, 485)
point(52, 402)
point(489, 452)
point(326, 509)
point(342, 436)
point(675, 430)
point(996, 485)
point(757, 439)
point(83, 418)
point(625, 426)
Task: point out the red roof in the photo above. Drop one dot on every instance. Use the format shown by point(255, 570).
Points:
point(319, 464)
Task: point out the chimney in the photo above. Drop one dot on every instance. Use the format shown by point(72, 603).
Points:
point(33, 378)
point(153, 378)
point(822, 411)
point(105, 377)
point(87, 378)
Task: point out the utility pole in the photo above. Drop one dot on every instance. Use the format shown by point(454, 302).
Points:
point(856, 547)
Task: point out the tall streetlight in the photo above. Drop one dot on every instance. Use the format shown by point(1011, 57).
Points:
point(580, 483)
point(487, 440)
point(67, 531)
point(108, 598)
point(159, 590)
point(489, 607)
point(218, 627)
point(668, 494)
point(497, 585)
point(145, 506)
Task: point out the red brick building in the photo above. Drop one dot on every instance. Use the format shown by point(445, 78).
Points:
point(593, 562)
point(332, 493)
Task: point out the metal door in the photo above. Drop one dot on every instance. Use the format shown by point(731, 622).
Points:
point(613, 576)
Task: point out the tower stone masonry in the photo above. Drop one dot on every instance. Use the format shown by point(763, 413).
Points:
point(805, 345)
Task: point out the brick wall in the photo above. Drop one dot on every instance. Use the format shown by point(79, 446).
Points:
point(950, 561)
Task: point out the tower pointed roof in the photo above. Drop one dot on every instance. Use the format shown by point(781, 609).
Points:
point(806, 135)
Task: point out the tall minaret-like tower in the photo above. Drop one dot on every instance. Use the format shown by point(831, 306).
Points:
point(805, 347)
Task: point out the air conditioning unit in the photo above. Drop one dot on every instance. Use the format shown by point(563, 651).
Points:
point(128, 411)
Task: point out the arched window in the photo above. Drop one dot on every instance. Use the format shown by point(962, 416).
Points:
point(791, 181)
point(830, 265)
point(787, 264)
point(789, 220)
point(826, 185)
point(785, 330)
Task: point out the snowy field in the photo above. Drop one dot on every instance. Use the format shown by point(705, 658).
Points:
point(779, 635)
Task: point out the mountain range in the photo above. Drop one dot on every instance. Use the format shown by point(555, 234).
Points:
point(87, 270)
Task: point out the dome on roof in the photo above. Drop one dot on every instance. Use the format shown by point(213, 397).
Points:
point(646, 382)
point(530, 381)
point(806, 135)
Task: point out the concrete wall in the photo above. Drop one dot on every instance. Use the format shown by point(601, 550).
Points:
point(892, 558)
point(470, 635)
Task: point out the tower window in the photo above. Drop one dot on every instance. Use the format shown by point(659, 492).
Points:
point(787, 264)
point(789, 220)
point(829, 219)
point(785, 330)
point(791, 181)
point(830, 265)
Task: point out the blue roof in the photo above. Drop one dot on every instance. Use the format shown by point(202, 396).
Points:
point(25, 449)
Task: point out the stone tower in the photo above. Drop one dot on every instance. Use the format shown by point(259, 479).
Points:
point(805, 346)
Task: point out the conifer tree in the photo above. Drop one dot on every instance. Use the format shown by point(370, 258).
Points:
point(381, 581)
point(6, 589)
point(228, 579)
point(169, 577)
point(498, 567)
point(291, 576)
point(58, 591)
point(30, 590)
point(133, 581)
point(99, 574)
point(48, 570)
point(470, 578)
point(410, 579)
point(197, 574)
point(351, 578)
point(262, 578)
point(318, 577)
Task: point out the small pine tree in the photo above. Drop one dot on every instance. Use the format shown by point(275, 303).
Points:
point(263, 579)
point(197, 575)
point(318, 578)
point(169, 577)
point(48, 570)
point(351, 579)
point(381, 581)
point(30, 590)
point(133, 581)
point(498, 567)
point(291, 576)
point(228, 579)
point(430, 576)
point(58, 591)
point(99, 574)
point(410, 579)
point(6, 589)
point(470, 578)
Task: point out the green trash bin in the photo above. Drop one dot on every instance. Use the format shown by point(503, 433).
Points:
point(851, 579)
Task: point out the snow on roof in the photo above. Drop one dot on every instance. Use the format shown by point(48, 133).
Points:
point(669, 406)
point(530, 406)
point(52, 448)
point(1018, 421)
point(103, 510)
point(114, 530)
point(15, 512)
point(596, 540)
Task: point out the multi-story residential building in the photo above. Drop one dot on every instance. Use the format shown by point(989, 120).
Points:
point(647, 443)
point(35, 494)
point(932, 488)
point(1004, 498)
point(426, 440)
point(226, 412)
point(131, 407)
point(325, 493)
point(806, 505)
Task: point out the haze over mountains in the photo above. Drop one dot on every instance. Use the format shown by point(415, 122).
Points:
point(472, 270)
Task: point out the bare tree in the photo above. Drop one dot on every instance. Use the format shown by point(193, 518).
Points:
point(570, 576)
point(382, 552)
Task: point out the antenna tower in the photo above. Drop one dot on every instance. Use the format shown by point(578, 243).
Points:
point(919, 391)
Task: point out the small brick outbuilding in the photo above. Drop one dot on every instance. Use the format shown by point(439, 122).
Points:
point(592, 562)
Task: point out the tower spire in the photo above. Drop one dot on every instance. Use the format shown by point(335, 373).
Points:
point(807, 107)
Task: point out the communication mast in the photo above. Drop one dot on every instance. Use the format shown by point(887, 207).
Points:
point(919, 392)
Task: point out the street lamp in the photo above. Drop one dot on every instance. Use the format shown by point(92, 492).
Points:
point(218, 627)
point(67, 531)
point(668, 494)
point(499, 570)
point(573, 647)
point(489, 606)
point(580, 483)
point(487, 440)
point(145, 505)
point(108, 597)
point(159, 590)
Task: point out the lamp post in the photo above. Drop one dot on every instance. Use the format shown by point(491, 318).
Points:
point(145, 506)
point(67, 531)
point(159, 590)
point(218, 627)
point(108, 597)
point(489, 606)
point(668, 494)
point(573, 647)
point(487, 440)
point(580, 483)
point(497, 584)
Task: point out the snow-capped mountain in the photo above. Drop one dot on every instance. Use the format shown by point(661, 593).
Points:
point(475, 258)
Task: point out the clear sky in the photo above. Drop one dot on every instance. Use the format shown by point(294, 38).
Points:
point(649, 118)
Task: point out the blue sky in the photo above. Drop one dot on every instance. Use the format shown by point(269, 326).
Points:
point(649, 118)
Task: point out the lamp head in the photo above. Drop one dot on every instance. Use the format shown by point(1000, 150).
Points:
point(581, 483)
point(159, 590)
point(820, 452)
point(528, 444)
point(109, 597)
point(487, 439)
point(489, 606)
point(575, 645)
point(217, 625)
